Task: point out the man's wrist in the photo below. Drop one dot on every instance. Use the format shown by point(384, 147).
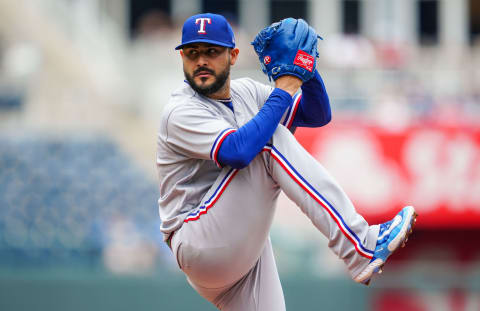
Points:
point(289, 84)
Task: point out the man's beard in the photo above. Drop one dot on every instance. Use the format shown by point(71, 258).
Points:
point(220, 80)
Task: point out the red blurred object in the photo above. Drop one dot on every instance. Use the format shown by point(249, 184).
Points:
point(391, 55)
point(398, 301)
point(458, 300)
point(454, 299)
point(435, 168)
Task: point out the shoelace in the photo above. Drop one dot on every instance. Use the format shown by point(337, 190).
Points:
point(384, 227)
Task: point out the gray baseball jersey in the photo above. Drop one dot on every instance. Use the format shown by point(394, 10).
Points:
point(220, 217)
point(190, 133)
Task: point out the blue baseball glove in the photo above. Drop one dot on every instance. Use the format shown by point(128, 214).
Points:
point(287, 47)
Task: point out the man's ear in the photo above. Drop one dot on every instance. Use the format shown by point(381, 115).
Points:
point(181, 53)
point(233, 56)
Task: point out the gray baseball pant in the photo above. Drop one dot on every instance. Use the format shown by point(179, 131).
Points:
point(226, 253)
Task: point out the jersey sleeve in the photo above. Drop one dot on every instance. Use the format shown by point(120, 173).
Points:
point(242, 146)
point(291, 113)
point(196, 132)
point(313, 108)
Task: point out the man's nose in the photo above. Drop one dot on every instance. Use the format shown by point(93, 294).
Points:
point(202, 60)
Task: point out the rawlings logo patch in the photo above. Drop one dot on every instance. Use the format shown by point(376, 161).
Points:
point(304, 60)
point(267, 60)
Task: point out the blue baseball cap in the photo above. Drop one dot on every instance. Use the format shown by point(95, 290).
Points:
point(208, 28)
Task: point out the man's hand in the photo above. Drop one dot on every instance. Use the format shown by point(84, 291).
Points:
point(288, 83)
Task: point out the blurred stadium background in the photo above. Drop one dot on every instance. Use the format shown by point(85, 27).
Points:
point(82, 87)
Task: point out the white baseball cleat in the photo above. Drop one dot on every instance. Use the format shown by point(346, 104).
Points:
point(392, 234)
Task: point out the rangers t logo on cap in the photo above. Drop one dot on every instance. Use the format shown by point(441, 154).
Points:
point(202, 21)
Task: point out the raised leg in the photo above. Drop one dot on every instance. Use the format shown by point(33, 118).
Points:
point(318, 195)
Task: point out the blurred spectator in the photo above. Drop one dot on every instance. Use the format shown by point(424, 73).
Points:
point(390, 109)
point(154, 66)
point(154, 22)
point(347, 51)
point(18, 62)
point(126, 251)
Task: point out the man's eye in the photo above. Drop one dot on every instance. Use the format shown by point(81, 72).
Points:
point(191, 53)
point(212, 51)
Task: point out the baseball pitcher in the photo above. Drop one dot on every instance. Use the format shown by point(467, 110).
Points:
point(226, 150)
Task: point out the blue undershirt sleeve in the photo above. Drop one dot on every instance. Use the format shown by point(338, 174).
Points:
point(239, 148)
point(314, 107)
